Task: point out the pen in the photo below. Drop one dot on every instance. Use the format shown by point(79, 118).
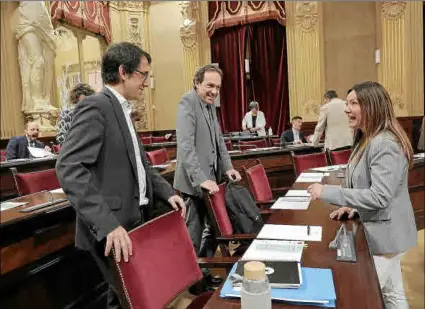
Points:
point(308, 230)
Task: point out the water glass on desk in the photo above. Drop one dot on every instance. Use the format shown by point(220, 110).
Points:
point(255, 292)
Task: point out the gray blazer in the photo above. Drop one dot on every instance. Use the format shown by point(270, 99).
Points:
point(377, 188)
point(97, 170)
point(196, 154)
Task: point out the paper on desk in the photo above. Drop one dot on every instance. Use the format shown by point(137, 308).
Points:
point(290, 232)
point(302, 193)
point(419, 155)
point(60, 190)
point(263, 149)
point(329, 168)
point(309, 179)
point(161, 166)
point(291, 203)
point(9, 205)
point(38, 152)
point(312, 174)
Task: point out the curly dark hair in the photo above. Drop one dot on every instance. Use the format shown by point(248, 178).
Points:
point(79, 90)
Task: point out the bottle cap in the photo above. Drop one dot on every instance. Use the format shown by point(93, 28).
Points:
point(254, 271)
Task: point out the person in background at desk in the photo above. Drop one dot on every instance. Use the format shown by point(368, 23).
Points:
point(376, 186)
point(293, 136)
point(334, 122)
point(254, 121)
point(17, 148)
point(79, 92)
point(103, 169)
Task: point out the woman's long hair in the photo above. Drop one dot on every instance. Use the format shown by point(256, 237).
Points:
point(378, 115)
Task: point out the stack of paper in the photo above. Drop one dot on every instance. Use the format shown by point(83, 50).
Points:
point(291, 232)
point(299, 193)
point(274, 250)
point(38, 152)
point(295, 203)
point(317, 289)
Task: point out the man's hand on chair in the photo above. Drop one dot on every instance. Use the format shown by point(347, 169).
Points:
point(233, 175)
point(177, 203)
point(119, 239)
point(210, 185)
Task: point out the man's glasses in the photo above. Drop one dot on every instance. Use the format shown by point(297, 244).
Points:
point(143, 74)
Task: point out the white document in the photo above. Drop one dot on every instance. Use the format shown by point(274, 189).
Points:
point(161, 166)
point(302, 193)
point(274, 250)
point(38, 152)
point(291, 232)
point(312, 174)
point(60, 190)
point(330, 168)
point(294, 203)
point(309, 179)
point(419, 155)
point(263, 149)
point(9, 205)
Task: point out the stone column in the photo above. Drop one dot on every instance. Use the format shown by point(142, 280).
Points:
point(401, 43)
point(130, 22)
point(305, 58)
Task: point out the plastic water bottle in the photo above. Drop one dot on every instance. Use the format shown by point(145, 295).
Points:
point(270, 131)
point(255, 292)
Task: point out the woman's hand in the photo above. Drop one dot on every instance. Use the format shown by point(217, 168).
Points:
point(339, 213)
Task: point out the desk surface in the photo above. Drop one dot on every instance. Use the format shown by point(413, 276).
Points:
point(356, 284)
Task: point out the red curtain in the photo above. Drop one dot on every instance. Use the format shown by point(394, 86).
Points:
point(228, 50)
point(269, 72)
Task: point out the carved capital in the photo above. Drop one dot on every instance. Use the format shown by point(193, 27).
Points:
point(188, 36)
point(306, 15)
point(135, 30)
point(393, 9)
point(139, 6)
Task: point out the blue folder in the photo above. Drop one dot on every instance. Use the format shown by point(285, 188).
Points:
point(317, 289)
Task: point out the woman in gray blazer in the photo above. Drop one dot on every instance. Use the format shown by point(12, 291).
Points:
point(376, 185)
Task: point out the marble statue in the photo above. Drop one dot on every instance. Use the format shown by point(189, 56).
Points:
point(36, 48)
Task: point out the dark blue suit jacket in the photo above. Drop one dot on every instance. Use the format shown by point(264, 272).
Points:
point(287, 137)
point(17, 148)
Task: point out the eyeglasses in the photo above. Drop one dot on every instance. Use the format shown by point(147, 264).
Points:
point(143, 74)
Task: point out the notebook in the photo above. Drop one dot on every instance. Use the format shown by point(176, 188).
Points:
point(280, 274)
point(302, 193)
point(274, 250)
point(317, 289)
point(290, 232)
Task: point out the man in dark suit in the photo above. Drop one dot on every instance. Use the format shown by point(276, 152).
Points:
point(293, 136)
point(17, 148)
point(102, 165)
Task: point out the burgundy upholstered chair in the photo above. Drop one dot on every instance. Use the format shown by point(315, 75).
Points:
point(159, 156)
point(33, 182)
point(307, 161)
point(158, 139)
point(163, 264)
point(146, 140)
point(337, 157)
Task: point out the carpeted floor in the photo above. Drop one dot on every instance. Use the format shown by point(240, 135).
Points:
point(413, 276)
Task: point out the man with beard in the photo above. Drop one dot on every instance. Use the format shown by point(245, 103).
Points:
point(202, 156)
point(17, 148)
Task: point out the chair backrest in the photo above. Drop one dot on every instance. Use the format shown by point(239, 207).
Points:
point(228, 145)
point(258, 182)
point(243, 147)
point(163, 263)
point(307, 161)
point(146, 140)
point(159, 156)
point(3, 155)
point(261, 143)
point(216, 205)
point(33, 182)
point(337, 157)
point(158, 139)
point(275, 142)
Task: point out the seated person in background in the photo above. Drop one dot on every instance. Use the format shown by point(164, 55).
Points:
point(79, 92)
point(293, 136)
point(254, 121)
point(17, 148)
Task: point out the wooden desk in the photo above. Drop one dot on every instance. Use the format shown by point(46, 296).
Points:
point(7, 184)
point(356, 284)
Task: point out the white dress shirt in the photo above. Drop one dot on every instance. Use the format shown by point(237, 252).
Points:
point(141, 173)
point(296, 135)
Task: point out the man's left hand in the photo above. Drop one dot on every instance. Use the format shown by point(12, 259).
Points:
point(315, 190)
point(177, 203)
point(233, 175)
